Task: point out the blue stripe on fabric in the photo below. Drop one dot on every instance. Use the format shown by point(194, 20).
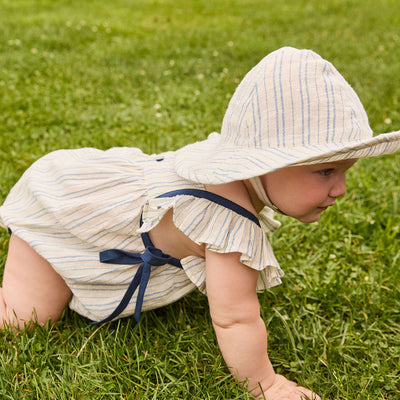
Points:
point(192, 227)
point(301, 99)
point(334, 108)
point(291, 99)
point(308, 99)
point(328, 104)
point(257, 116)
point(282, 103)
point(318, 102)
point(221, 234)
point(266, 116)
point(343, 114)
point(276, 104)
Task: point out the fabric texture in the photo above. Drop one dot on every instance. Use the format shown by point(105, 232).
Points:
point(72, 204)
point(292, 108)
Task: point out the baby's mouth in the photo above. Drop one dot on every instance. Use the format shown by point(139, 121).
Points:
point(325, 207)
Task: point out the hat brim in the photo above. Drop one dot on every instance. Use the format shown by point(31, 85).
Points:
point(213, 162)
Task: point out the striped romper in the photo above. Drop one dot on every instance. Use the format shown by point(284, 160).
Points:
point(72, 206)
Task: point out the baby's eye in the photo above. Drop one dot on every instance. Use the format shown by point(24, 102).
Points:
point(326, 172)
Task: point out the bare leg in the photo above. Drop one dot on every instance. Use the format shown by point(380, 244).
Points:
point(32, 290)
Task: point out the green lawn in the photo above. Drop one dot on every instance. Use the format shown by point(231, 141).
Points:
point(158, 75)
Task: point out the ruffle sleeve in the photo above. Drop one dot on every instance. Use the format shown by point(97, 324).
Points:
point(221, 230)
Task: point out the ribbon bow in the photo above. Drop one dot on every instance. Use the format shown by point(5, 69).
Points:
point(150, 257)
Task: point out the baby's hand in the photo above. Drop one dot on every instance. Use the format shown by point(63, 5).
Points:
point(283, 389)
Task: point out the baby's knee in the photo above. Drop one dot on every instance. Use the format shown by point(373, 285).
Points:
point(11, 318)
point(5, 319)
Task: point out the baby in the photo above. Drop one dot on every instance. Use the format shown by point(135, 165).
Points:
point(112, 233)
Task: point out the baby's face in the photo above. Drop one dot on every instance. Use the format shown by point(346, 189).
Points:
point(304, 192)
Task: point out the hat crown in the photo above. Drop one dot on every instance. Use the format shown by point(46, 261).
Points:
point(294, 98)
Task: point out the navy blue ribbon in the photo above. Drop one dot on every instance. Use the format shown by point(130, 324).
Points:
point(150, 257)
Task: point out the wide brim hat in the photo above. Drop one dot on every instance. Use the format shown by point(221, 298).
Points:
point(292, 108)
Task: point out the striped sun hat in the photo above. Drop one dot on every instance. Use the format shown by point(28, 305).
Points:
point(292, 108)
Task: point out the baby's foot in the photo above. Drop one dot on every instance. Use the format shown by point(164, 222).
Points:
point(283, 389)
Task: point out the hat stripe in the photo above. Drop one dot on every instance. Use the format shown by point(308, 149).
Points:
point(257, 138)
point(276, 105)
point(327, 104)
point(318, 103)
point(308, 102)
point(301, 101)
point(282, 103)
point(266, 118)
point(342, 113)
point(291, 100)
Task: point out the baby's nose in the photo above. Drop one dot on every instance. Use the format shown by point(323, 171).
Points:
point(339, 187)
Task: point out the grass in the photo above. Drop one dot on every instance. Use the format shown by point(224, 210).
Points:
point(158, 75)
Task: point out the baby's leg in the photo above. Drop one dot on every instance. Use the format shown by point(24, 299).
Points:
point(32, 290)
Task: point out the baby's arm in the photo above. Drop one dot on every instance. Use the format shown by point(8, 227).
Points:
point(241, 333)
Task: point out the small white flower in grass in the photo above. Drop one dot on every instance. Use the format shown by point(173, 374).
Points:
point(157, 106)
point(215, 53)
point(387, 121)
point(167, 72)
point(171, 63)
point(34, 50)
point(158, 115)
point(332, 256)
point(14, 42)
point(197, 92)
point(224, 73)
point(230, 43)
point(200, 76)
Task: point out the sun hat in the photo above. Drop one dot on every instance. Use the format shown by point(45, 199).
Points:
point(292, 108)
